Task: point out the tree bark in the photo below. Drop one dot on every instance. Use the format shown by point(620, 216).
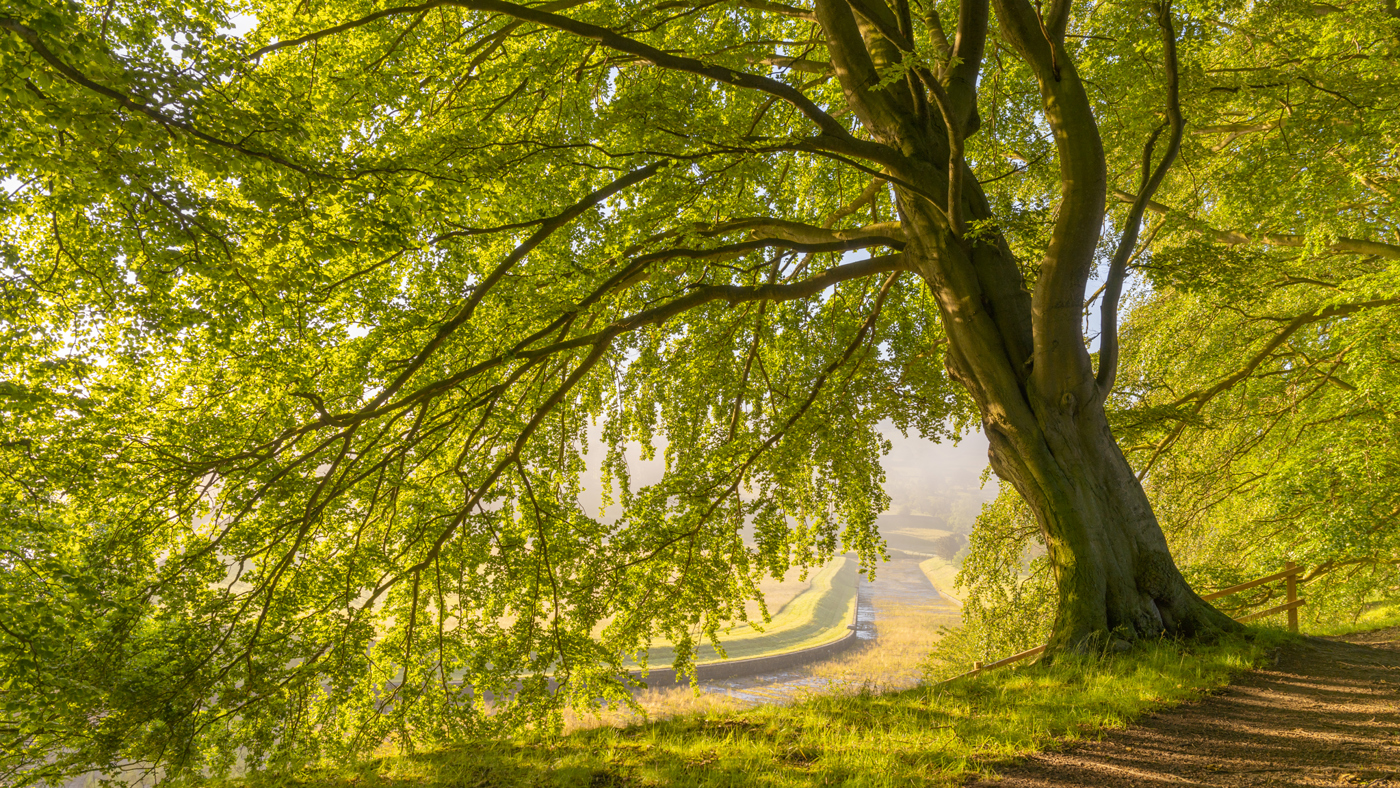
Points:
point(1022, 357)
point(1115, 575)
point(1116, 578)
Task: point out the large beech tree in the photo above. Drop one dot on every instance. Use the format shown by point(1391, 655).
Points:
point(308, 328)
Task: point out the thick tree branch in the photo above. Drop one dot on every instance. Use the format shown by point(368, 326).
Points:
point(878, 15)
point(968, 48)
point(699, 296)
point(857, 72)
point(733, 294)
point(1236, 237)
point(952, 123)
point(1062, 368)
point(819, 67)
point(1132, 225)
point(779, 8)
point(898, 170)
point(1056, 17)
point(610, 39)
point(888, 233)
point(957, 107)
point(35, 43)
point(866, 197)
point(938, 37)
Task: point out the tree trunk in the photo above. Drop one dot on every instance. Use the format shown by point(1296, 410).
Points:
point(1022, 356)
point(1050, 439)
point(1115, 575)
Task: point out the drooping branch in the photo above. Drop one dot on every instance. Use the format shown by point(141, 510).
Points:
point(1197, 400)
point(1203, 396)
point(597, 344)
point(866, 326)
point(527, 351)
point(483, 287)
point(1132, 225)
point(611, 39)
point(1237, 237)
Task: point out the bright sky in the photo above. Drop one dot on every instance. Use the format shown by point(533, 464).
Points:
point(921, 477)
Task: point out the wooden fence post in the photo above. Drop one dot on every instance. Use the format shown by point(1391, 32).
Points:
point(1292, 597)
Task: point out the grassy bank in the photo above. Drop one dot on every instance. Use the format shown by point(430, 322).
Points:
point(943, 574)
point(818, 615)
point(924, 736)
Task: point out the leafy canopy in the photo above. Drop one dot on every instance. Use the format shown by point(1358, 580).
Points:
point(310, 332)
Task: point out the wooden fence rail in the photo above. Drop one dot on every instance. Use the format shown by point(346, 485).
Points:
point(1290, 574)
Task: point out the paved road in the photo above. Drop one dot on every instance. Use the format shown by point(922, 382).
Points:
point(897, 618)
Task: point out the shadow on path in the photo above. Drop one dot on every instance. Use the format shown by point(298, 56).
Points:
point(1327, 712)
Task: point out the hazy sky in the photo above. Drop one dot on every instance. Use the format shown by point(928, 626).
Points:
point(919, 472)
point(921, 477)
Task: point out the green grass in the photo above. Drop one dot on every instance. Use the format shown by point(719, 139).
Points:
point(928, 736)
point(816, 616)
point(1378, 615)
point(942, 574)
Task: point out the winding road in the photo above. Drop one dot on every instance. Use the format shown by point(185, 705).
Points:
point(897, 619)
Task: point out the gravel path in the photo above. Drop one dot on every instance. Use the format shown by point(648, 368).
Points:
point(1327, 712)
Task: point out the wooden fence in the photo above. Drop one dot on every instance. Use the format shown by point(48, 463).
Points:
point(1291, 604)
point(1293, 601)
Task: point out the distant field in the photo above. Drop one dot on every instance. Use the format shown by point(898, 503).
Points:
point(815, 616)
point(942, 573)
point(920, 535)
point(778, 592)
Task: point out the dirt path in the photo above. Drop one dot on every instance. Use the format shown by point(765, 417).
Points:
point(1326, 713)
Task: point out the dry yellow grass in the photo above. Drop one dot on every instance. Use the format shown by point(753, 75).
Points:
point(657, 704)
point(891, 661)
